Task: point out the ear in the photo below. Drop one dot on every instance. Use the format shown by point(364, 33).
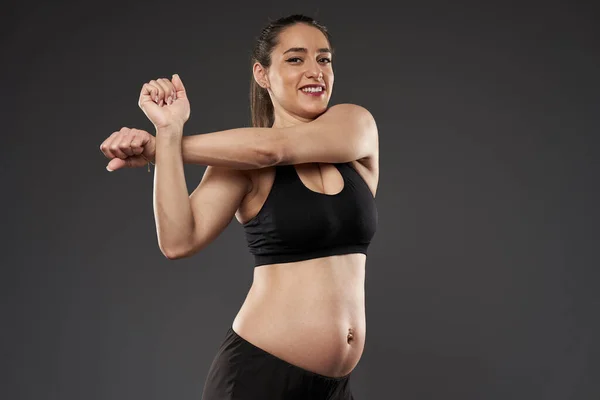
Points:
point(260, 75)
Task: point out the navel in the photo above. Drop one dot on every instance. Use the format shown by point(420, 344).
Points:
point(350, 336)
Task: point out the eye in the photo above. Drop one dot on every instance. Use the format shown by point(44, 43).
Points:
point(323, 59)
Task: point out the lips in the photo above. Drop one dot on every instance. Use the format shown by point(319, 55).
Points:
point(313, 93)
point(313, 86)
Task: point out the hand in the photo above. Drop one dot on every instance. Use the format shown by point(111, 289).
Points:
point(165, 102)
point(129, 148)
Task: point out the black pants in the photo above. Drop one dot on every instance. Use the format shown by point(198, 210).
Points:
point(243, 371)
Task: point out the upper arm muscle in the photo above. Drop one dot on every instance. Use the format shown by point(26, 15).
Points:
point(215, 201)
point(343, 133)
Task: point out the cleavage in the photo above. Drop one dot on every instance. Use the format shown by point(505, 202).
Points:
point(320, 178)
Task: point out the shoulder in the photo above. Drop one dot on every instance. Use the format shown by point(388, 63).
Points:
point(342, 133)
point(348, 110)
point(352, 115)
point(367, 167)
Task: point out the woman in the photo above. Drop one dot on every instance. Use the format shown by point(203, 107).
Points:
point(302, 182)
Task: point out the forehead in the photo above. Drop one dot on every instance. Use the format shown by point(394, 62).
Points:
point(301, 35)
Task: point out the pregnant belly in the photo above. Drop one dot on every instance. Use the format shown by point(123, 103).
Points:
point(311, 316)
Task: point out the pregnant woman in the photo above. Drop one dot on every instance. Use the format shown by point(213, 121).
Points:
point(302, 183)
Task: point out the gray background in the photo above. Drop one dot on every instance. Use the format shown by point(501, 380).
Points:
point(482, 279)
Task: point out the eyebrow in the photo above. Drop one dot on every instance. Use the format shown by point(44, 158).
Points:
point(304, 50)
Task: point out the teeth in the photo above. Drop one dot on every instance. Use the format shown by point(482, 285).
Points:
point(313, 89)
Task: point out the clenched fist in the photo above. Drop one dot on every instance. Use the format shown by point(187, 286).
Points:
point(165, 102)
point(129, 148)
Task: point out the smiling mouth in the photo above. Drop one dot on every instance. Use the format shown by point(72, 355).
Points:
point(313, 90)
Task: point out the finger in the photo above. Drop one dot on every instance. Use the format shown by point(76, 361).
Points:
point(174, 90)
point(167, 88)
point(131, 162)
point(155, 91)
point(115, 145)
point(139, 140)
point(149, 92)
point(148, 144)
point(161, 92)
point(112, 147)
point(115, 164)
point(105, 146)
point(125, 143)
point(179, 88)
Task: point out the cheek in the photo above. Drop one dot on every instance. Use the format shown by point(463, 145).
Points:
point(286, 89)
point(290, 83)
point(283, 86)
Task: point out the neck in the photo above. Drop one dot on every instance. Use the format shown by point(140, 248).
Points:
point(284, 119)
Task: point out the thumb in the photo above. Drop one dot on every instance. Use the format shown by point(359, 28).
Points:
point(130, 162)
point(115, 164)
point(178, 84)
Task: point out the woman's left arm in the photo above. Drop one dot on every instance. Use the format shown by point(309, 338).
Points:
point(344, 133)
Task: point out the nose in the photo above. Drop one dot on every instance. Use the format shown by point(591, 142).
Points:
point(314, 71)
point(318, 75)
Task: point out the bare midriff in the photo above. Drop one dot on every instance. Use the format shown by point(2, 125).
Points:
point(309, 313)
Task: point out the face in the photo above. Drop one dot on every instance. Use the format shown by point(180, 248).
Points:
point(302, 57)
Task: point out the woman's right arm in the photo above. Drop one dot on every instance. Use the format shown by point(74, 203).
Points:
point(186, 225)
point(214, 204)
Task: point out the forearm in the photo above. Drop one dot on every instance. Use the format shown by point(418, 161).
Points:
point(240, 148)
point(172, 207)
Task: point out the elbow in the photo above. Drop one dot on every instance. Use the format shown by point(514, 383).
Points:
point(175, 248)
point(276, 153)
point(173, 254)
point(170, 255)
point(272, 155)
point(184, 248)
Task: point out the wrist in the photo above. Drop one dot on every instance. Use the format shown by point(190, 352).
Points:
point(168, 140)
point(169, 130)
point(167, 146)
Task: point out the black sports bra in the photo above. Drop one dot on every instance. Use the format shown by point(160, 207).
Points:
point(296, 223)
